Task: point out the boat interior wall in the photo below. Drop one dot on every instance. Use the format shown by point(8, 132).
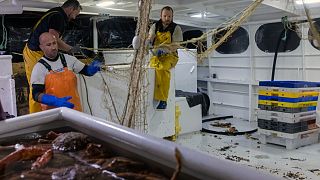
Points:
point(232, 79)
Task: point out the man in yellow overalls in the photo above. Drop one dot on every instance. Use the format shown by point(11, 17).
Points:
point(165, 31)
point(54, 21)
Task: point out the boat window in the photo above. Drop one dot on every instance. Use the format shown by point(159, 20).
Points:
point(311, 39)
point(238, 42)
point(267, 37)
point(200, 46)
point(116, 32)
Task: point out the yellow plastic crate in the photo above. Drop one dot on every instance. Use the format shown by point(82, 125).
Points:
point(288, 94)
point(288, 104)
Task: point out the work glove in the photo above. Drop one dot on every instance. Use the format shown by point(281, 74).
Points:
point(55, 101)
point(161, 52)
point(75, 49)
point(94, 67)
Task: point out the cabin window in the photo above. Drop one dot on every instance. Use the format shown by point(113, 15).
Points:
point(200, 46)
point(237, 43)
point(267, 37)
point(311, 39)
point(116, 32)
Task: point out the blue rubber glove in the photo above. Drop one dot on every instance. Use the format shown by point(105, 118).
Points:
point(94, 67)
point(55, 101)
point(161, 52)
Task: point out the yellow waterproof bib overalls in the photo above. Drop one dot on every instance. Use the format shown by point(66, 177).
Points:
point(162, 65)
point(30, 58)
point(61, 84)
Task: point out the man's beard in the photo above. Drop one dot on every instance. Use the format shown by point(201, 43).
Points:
point(166, 23)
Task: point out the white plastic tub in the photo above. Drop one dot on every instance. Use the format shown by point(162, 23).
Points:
point(290, 141)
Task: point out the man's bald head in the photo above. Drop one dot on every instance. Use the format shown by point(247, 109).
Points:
point(48, 44)
point(46, 36)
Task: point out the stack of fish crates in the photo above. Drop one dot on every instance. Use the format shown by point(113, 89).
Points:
point(287, 113)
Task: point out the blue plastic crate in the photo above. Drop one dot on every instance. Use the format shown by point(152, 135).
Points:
point(286, 110)
point(289, 84)
point(312, 108)
point(268, 98)
point(295, 100)
point(285, 99)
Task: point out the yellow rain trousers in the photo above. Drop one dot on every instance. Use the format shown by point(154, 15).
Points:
point(30, 59)
point(162, 65)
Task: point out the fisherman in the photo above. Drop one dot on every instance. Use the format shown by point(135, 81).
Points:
point(54, 21)
point(53, 80)
point(164, 31)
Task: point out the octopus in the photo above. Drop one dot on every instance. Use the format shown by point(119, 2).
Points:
point(70, 141)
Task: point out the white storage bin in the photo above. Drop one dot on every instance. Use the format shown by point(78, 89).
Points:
point(6, 65)
point(286, 117)
point(290, 141)
point(8, 95)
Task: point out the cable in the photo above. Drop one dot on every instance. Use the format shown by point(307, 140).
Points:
point(225, 132)
point(276, 54)
point(229, 133)
point(6, 33)
point(3, 44)
point(283, 37)
point(87, 94)
point(112, 101)
point(85, 85)
point(217, 118)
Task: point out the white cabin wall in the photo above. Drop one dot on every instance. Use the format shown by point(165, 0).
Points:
point(234, 90)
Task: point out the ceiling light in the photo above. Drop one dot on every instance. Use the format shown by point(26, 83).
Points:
point(211, 15)
point(307, 1)
point(116, 9)
point(198, 15)
point(203, 15)
point(89, 13)
point(105, 3)
point(120, 3)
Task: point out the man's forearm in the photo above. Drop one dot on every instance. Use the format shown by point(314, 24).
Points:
point(37, 91)
point(63, 46)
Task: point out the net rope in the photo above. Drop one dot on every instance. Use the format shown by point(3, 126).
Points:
point(133, 112)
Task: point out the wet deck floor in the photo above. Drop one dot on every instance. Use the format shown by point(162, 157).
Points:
point(301, 163)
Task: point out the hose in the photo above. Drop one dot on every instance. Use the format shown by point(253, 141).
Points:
point(284, 36)
point(276, 54)
point(225, 132)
